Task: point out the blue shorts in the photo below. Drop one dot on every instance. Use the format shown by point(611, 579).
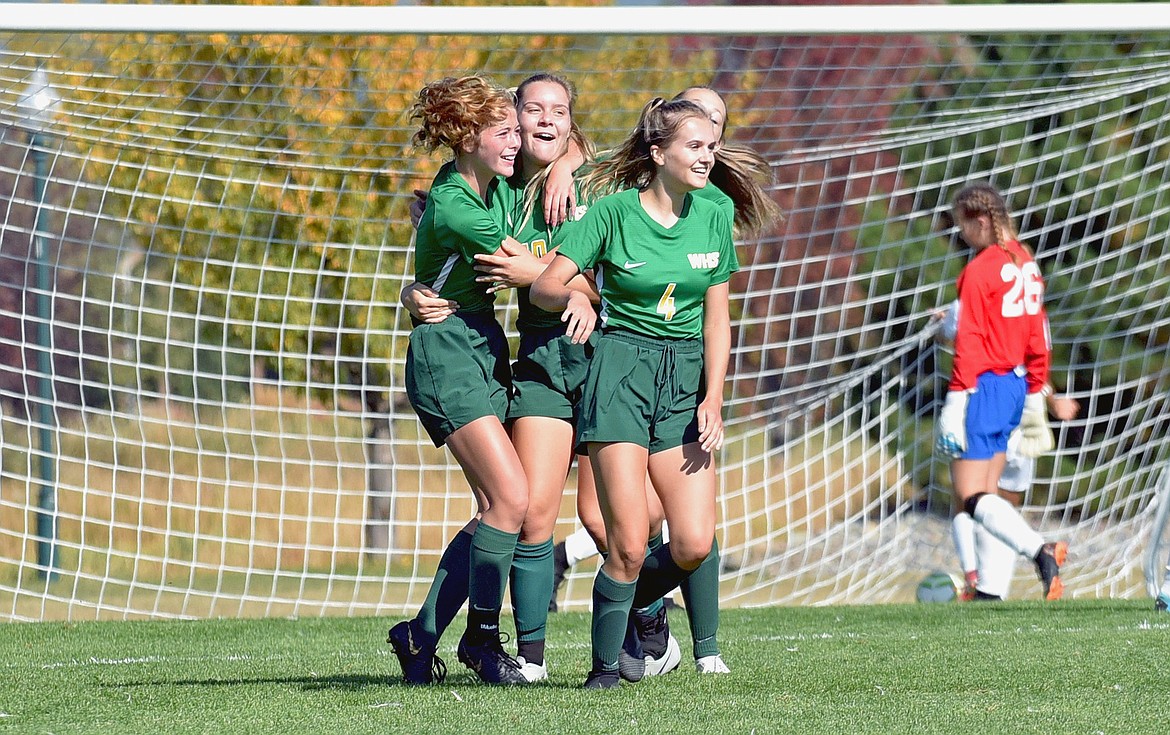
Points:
point(993, 412)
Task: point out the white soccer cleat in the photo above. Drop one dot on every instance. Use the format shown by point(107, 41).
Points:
point(532, 672)
point(667, 662)
point(711, 665)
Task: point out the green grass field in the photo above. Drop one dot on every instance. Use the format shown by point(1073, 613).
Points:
point(1021, 667)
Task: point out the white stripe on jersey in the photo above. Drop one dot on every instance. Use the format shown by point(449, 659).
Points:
point(445, 273)
point(598, 280)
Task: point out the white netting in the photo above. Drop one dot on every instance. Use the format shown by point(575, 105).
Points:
point(221, 428)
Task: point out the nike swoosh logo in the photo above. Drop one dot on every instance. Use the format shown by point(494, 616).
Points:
point(631, 266)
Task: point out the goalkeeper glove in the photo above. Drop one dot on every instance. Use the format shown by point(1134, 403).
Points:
point(952, 424)
point(1035, 434)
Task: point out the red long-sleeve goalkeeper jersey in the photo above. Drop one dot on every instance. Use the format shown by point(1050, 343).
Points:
point(1002, 322)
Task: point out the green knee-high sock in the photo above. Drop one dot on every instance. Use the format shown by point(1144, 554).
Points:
point(653, 544)
point(701, 595)
point(448, 590)
point(659, 575)
point(491, 558)
point(611, 610)
point(532, 584)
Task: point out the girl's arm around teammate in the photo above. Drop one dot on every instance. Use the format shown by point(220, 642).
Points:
point(551, 292)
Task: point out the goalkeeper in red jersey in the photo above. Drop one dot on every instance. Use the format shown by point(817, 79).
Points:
point(999, 377)
point(988, 564)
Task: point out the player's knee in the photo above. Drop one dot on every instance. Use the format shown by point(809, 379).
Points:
point(511, 506)
point(628, 559)
point(656, 520)
point(688, 554)
point(970, 503)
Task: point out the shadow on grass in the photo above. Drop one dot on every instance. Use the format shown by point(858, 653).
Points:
point(347, 682)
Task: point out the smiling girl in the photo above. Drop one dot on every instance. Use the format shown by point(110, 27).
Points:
point(653, 397)
point(458, 376)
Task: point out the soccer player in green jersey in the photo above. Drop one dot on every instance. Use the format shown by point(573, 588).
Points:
point(740, 171)
point(549, 369)
point(653, 397)
point(458, 374)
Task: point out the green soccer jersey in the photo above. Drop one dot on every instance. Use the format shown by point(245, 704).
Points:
point(456, 225)
point(717, 195)
point(532, 230)
point(653, 279)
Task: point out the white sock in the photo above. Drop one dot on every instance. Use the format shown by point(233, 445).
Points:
point(579, 546)
point(997, 564)
point(1005, 523)
point(963, 534)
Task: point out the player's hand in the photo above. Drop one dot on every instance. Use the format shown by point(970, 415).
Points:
point(418, 206)
point(511, 266)
point(579, 317)
point(560, 197)
point(949, 318)
point(1063, 407)
point(426, 305)
point(710, 415)
point(952, 425)
point(1035, 433)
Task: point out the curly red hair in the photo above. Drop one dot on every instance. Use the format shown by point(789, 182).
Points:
point(454, 111)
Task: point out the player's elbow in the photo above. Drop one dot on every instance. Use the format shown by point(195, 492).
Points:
point(546, 293)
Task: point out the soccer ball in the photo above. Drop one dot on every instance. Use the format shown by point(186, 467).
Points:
point(938, 587)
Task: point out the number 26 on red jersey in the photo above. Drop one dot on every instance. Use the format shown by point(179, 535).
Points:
point(1026, 290)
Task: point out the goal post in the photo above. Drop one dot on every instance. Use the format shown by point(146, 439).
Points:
point(656, 19)
point(204, 228)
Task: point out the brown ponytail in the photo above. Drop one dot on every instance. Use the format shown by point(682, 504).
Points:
point(630, 164)
point(983, 199)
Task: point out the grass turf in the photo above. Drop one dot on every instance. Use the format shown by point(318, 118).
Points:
point(1018, 667)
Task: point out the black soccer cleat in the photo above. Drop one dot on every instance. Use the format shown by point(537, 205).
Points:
point(489, 661)
point(560, 568)
point(602, 680)
point(1048, 560)
point(419, 664)
point(660, 649)
point(1162, 603)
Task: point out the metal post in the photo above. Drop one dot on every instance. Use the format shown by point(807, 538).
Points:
point(47, 497)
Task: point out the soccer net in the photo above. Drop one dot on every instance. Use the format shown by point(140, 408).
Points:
point(203, 233)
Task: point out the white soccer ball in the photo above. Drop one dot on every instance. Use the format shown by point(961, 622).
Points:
point(938, 587)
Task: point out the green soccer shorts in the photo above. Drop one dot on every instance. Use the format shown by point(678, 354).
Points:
point(643, 390)
point(457, 371)
point(549, 375)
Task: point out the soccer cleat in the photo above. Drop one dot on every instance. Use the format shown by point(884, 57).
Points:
point(489, 661)
point(667, 662)
point(419, 664)
point(560, 568)
point(603, 680)
point(711, 665)
point(1162, 602)
point(968, 592)
point(532, 672)
point(1048, 561)
point(631, 659)
point(660, 648)
point(981, 596)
